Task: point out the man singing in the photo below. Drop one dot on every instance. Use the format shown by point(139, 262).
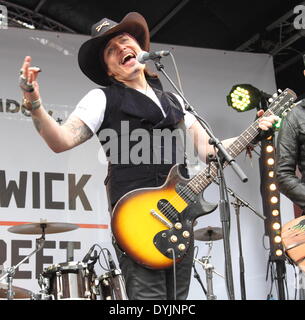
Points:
point(129, 93)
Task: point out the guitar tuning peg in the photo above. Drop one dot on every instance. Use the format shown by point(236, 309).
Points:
point(270, 100)
point(279, 90)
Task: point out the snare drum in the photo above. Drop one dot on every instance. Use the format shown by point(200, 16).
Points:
point(70, 281)
point(111, 286)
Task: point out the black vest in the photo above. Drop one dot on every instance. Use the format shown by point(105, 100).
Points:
point(131, 135)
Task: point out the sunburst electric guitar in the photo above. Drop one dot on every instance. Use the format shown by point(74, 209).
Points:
point(154, 226)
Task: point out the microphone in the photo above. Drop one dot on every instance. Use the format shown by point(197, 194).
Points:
point(144, 56)
point(87, 256)
point(111, 262)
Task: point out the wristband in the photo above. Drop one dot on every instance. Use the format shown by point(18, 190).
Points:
point(34, 104)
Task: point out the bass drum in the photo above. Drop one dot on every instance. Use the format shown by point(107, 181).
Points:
point(111, 286)
point(293, 238)
point(70, 281)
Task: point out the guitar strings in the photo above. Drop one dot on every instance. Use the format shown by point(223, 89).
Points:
point(187, 190)
point(194, 186)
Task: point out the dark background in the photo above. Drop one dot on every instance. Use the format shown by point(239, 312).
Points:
point(236, 25)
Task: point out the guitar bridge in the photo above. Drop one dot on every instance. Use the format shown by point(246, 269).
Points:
point(161, 219)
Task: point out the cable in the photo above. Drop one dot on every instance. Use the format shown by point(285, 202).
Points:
point(188, 107)
point(108, 269)
point(174, 272)
point(177, 73)
point(197, 277)
point(269, 267)
point(263, 243)
point(196, 274)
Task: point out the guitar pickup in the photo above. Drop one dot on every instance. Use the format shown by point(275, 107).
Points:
point(168, 210)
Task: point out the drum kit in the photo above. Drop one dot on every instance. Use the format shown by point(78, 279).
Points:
point(208, 235)
point(72, 280)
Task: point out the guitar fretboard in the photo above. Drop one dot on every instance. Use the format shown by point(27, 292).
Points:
point(204, 178)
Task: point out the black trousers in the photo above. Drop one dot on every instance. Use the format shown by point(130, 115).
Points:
point(147, 284)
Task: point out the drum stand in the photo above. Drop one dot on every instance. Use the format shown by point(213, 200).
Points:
point(209, 269)
point(10, 272)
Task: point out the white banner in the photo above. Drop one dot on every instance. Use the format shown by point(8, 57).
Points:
point(39, 185)
point(36, 184)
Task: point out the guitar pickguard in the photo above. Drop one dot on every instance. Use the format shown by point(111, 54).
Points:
point(175, 242)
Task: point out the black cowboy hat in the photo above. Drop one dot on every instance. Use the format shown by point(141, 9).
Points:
point(90, 55)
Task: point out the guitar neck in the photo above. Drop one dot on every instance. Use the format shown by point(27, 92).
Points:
point(205, 177)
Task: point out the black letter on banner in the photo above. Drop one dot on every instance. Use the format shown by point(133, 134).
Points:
point(41, 259)
point(36, 190)
point(1, 105)
point(70, 246)
point(49, 203)
point(16, 258)
point(8, 106)
point(6, 192)
point(3, 255)
point(77, 191)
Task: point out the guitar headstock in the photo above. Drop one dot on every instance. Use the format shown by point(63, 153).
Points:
point(282, 103)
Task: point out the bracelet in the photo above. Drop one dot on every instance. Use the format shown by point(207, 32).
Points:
point(24, 85)
point(34, 104)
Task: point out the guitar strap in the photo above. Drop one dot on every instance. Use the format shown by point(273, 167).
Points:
point(184, 136)
point(192, 161)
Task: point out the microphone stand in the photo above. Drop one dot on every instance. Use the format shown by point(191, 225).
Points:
point(224, 210)
point(237, 205)
point(223, 207)
point(243, 202)
point(215, 141)
point(238, 202)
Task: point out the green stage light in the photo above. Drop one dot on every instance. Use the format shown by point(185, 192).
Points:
point(244, 97)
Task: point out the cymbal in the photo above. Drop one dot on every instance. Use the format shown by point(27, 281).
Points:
point(19, 293)
point(49, 227)
point(208, 234)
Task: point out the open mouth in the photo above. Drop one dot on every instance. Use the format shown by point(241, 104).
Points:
point(127, 58)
